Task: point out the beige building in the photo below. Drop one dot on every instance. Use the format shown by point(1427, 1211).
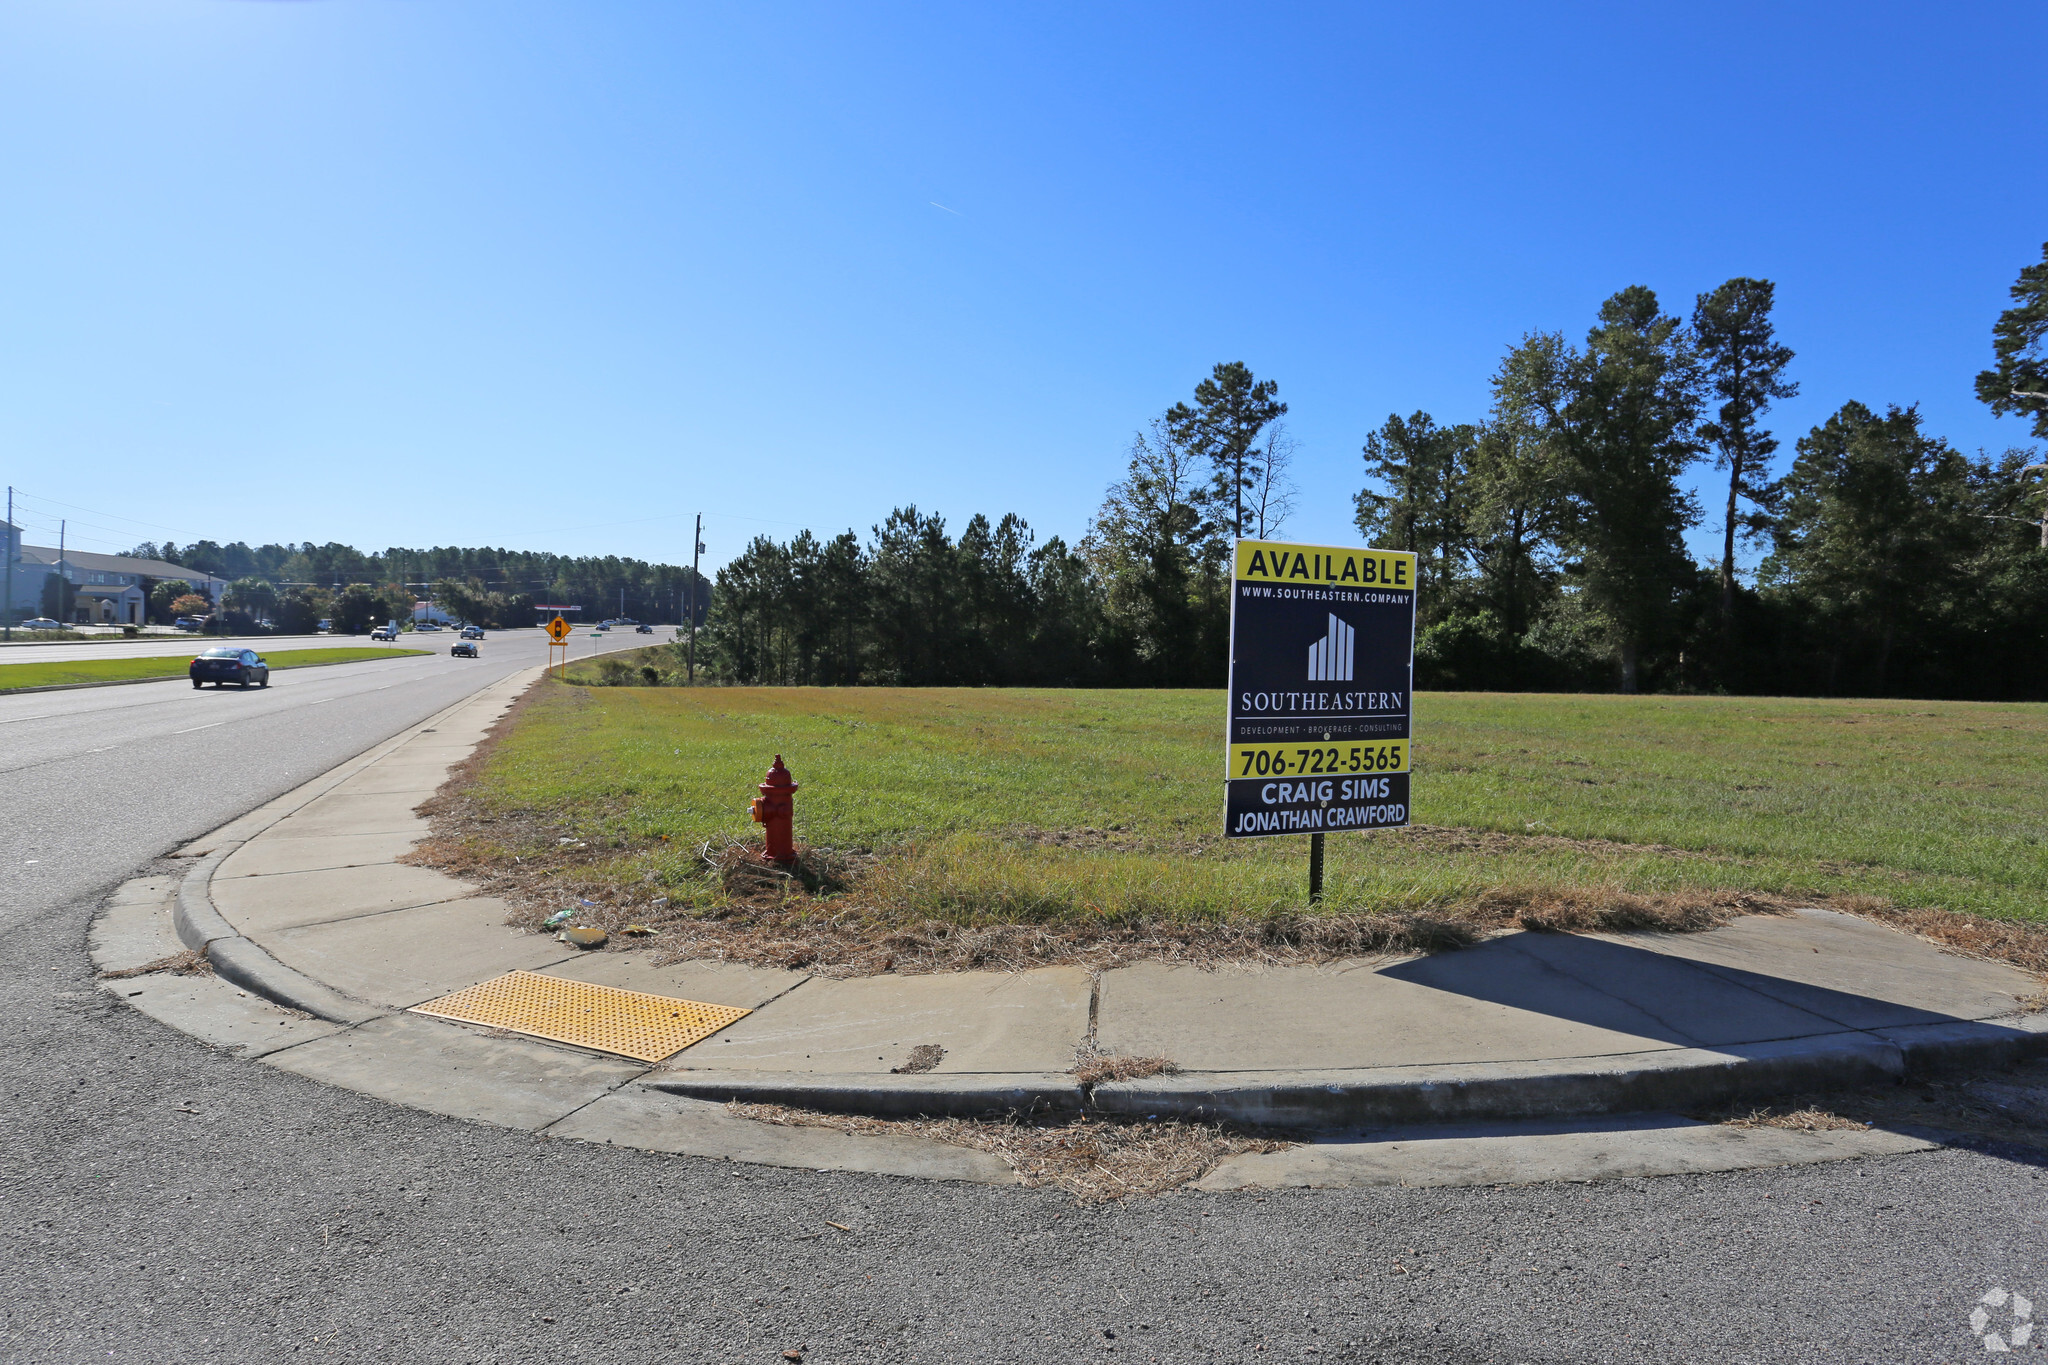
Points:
point(107, 590)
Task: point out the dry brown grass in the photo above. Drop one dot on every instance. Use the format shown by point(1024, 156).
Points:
point(2004, 1106)
point(1095, 1160)
point(775, 917)
point(1094, 1067)
point(822, 914)
point(190, 962)
point(815, 915)
point(1808, 1119)
point(842, 936)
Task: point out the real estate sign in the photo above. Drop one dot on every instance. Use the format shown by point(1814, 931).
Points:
point(1322, 659)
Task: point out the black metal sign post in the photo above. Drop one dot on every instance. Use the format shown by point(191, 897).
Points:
point(1322, 664)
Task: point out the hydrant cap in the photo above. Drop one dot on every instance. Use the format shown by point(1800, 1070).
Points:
point(778, 776)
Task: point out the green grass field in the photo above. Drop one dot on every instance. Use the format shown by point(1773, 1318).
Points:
point(50, 674)
point(1054, 807)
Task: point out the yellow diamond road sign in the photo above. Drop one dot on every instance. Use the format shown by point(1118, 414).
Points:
point(558, 630)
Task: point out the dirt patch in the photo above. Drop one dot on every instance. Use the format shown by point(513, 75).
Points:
point(190, 962)
point(811, 915)
point(1087, 837)
point(848, 942)
point(923, 1057)
point(1095, 1160)
point(1444, 838)
point(844, 938)
point(1452, 839)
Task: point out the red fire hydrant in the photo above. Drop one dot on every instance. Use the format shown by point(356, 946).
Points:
point(772, 810)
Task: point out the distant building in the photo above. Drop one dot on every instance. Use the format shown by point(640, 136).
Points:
point(110, 590)
point(427, 611)
point(10, 556)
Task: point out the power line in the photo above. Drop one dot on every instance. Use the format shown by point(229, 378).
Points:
point(116, 516)
point(111, 516)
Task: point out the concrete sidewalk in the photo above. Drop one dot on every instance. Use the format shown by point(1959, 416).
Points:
point(302, 904)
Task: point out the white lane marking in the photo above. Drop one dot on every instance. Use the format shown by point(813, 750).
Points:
point(322, 702)
point(42, 716)
point(197, 728)
point(99, 751)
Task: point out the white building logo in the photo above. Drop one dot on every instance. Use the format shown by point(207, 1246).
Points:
point(1329, 659)
point(2019, 1326)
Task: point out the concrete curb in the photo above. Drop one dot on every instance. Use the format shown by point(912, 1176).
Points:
point(248, 966)
point(1931, 1049)
point(202, 927)
point(198, 922)
point(1678, 1080)
point(961, 1093)
point(180, 677)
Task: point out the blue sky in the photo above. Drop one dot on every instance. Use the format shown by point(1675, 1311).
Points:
point(558, 276)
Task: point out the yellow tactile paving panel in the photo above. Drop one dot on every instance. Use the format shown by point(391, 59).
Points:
point(632, 1024)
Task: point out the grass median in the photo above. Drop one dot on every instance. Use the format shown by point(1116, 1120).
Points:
point(70, 671)
point(1064, 816)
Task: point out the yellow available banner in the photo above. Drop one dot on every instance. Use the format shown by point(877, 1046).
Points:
point(1324, 566)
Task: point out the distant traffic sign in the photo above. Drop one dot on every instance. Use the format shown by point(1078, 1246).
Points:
point(1322, 659)
point(558, 630)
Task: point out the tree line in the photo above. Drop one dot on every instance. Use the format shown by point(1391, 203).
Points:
point(1139, 602)
point(1551, 530)
point(1550, 533)
point(296, 586)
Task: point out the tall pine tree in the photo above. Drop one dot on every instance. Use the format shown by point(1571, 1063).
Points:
point(1231, 409)
point(1745, 365)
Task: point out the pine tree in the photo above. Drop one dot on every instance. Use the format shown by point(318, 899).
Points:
point(1231, 409)
point(1745, 365)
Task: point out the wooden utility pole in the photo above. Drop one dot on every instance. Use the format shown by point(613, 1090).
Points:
point(696, 553)
point(7, 572)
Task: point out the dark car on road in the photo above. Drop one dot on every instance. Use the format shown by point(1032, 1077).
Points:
point(643, 630)
point(226, 664)
point(465, 650)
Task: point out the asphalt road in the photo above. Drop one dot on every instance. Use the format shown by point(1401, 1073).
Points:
point(161, 646)
point(166, 1202)
point(95, 782)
